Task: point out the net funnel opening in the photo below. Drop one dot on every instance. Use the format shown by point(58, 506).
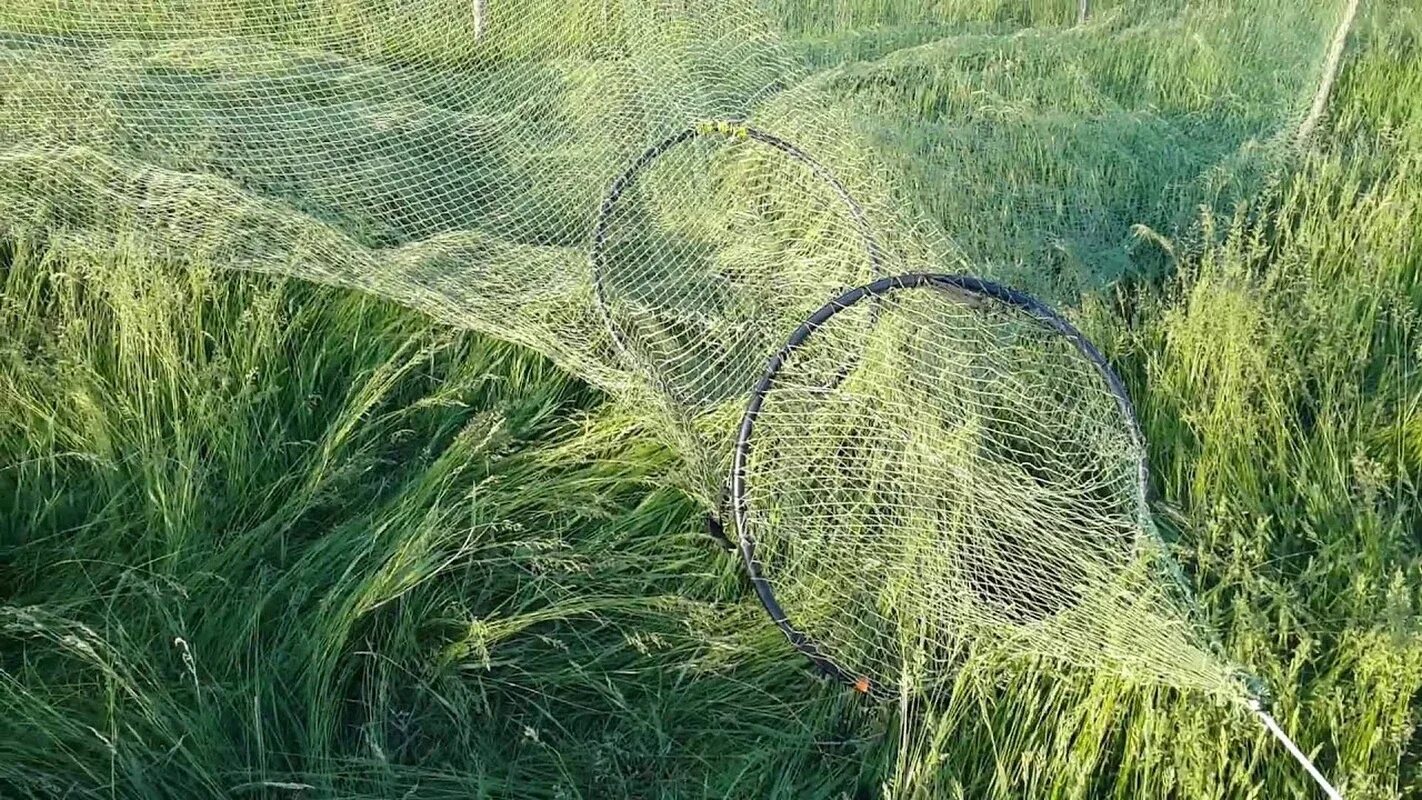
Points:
point(977, 477)
point(675, 289)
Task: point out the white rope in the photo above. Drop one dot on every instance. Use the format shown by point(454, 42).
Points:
point(1289, 745)
point(1330, 73)
point(480, 20)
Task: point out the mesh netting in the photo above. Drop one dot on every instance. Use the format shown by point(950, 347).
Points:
point(654, 194)
point(698, 252)
point(929, 465)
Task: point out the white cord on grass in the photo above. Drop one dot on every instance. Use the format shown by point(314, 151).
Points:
point(1293, 749)
point(1330, 73)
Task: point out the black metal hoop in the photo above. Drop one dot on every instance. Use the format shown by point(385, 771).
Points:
point(730, 130)
point(724, 129)
point(974, 288)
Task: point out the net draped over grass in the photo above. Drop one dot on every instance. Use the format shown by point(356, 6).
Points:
point(454, 156)
point(262, 536)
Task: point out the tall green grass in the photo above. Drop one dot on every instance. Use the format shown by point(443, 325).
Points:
point(264, 539)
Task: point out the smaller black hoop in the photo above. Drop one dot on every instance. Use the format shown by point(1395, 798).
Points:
point(624, 181)
point(958, 285)
point(724, 129)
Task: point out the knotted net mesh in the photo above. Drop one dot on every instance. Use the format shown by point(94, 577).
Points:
point(504, 166)
point(929, 465)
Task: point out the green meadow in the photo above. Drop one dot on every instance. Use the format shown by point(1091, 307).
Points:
point(261, 538)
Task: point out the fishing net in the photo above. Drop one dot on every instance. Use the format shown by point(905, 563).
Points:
point(950, 461)
point(655, 193)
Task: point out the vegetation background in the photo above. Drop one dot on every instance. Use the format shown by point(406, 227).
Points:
point(260, 538)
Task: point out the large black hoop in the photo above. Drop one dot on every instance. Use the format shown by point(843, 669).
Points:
point(958, 285)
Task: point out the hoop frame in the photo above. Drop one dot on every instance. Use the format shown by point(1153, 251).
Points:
point(724, 129)
point(628, 178)
point(958, 285)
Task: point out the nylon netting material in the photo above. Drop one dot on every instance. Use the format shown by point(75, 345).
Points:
point(458, 156)
point(937, 460)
